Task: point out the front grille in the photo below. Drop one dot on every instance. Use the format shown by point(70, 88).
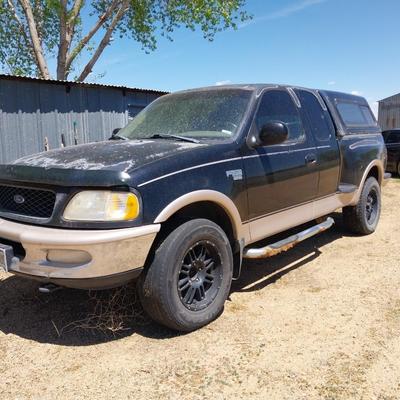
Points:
point(30, 202)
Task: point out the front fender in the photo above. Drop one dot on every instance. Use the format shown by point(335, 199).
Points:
point(213, 196)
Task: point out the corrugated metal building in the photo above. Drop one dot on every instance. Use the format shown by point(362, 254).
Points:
point(389, 112)
point(34, 109)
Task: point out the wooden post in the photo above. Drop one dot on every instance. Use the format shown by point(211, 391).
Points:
point(75, 134)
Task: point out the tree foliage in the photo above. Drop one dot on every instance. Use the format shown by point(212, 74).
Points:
point(35, 32)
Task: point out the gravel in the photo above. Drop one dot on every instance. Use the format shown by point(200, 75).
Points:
point(321, 321)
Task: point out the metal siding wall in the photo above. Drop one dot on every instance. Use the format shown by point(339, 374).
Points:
point(137, 101)
point(53, 114)
point(389, 113)
point(112, 108)
point(20, 124)
point(95, 124)
point(31, 111)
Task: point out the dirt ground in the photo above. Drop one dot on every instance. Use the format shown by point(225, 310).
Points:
point(319, 322)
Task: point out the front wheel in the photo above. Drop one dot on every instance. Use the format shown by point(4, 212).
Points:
point(363, 218)
point(188, 281)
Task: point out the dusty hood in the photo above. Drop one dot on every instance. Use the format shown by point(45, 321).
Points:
point(122, 156)
point(105, 163)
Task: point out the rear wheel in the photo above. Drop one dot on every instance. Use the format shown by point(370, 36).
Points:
point(398, 168)
point(188, 281)
point(363, 218)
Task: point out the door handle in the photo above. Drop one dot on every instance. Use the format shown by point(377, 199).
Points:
point(311, 158)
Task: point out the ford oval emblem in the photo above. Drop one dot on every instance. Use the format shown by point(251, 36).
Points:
point(19, 199)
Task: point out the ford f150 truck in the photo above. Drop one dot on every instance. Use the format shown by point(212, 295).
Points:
point(185, 191)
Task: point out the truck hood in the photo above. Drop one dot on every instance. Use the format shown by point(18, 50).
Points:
point(103, 163)
point(122, 156)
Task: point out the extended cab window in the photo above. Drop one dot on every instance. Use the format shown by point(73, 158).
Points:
point(319, 119)
point(354, 114)
point(277, 105)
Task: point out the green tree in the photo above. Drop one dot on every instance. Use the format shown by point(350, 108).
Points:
point(33, 32)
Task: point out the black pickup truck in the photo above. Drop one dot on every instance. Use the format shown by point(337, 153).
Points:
point(185, 191)
point(392, 141)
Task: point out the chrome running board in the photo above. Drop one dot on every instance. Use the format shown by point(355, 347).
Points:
point(288, 243)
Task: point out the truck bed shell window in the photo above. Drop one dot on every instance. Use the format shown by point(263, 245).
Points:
point(355, 115)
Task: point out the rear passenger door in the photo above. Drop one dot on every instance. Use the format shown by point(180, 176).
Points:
point(319, 125)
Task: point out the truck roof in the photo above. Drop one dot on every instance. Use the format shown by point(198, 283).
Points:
point(332, 99)
point(259, 87)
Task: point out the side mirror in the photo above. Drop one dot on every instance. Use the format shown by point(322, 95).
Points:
point(274, 132)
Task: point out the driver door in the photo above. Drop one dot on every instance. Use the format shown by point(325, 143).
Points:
point(285, 175)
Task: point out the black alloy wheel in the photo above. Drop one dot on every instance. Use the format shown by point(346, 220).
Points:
point(371, 207)
point(200, 276)
point(186, 283)
point(363, 218)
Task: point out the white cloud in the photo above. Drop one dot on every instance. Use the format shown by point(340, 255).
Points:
point(356, 93)
point(284, 12)
point(331, 83)
point(220, 83)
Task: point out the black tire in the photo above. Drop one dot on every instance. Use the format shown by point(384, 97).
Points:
point(363, 218)
point(183, 259)
point(398, 169)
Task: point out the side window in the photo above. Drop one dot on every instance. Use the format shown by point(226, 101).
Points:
point(320, 121)
point(368, 115)
point(354, 114)
point(277, 105)
point(351, 114)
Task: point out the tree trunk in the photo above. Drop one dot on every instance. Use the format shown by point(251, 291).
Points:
point(104, 42)
point(37, 47)
point(63, 45)
point(85, 40)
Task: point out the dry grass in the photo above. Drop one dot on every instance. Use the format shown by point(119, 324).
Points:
point(112, 311)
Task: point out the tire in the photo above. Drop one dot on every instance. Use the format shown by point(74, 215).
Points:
point(363, 218)
point(398, 169)
point(189, 278)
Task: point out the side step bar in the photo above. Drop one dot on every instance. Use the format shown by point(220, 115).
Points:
point(288, 243)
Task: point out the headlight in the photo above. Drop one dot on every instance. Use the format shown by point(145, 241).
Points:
point(101, 205)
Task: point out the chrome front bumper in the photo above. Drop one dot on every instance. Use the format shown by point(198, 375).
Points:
point(63, 254)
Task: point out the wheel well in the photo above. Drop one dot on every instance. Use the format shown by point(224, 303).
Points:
point(374, 171)
point(202, 209)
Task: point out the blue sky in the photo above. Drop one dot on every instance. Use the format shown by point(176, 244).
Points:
point(345, 45)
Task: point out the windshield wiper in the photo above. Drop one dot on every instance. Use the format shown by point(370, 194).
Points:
point(167, 136)
point(118, 137)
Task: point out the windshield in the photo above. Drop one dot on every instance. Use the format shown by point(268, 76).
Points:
point(209, 114)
